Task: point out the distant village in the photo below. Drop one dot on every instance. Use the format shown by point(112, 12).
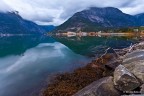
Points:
point(122, 32)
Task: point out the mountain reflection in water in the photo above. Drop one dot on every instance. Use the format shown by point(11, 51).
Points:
point(26, 62)
point(95, 45)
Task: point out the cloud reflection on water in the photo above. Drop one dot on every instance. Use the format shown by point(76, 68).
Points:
point(27, 71)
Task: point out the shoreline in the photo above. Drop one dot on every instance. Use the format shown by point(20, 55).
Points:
point(68, 84)
point(81, 34)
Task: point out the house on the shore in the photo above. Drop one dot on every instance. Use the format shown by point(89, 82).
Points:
point(71, 34)
point(84, 33)
point(63, 34)
point(136, 30)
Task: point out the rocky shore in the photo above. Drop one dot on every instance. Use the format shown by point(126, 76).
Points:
point(117, 72)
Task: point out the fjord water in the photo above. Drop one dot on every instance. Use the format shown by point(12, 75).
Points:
point(26, 62)
point(96, 45)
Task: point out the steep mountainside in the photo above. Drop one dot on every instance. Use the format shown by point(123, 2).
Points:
point(140, 18)
point(12, 23)
point(94, 19)
point(48, 28)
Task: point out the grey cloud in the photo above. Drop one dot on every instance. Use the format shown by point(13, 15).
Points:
point(57, 11)
point(134, 7)
point(83, 4)
point(4, 7)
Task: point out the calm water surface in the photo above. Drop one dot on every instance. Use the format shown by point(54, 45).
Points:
point(27, 61)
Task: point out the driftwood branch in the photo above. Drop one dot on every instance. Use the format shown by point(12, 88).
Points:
point(137, 46)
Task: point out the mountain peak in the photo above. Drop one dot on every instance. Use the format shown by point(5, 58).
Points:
point(106, 8)
point(102, 11)
point(95, 19)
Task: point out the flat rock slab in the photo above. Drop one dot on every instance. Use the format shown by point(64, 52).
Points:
point(134, 62)
point(134, 56)
point(137, 68)
point(102, 87)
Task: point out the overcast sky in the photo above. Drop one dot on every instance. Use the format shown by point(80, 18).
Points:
point(55, 12)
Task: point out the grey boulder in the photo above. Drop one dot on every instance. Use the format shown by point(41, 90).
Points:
point(137, 68)
point(124, 80)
